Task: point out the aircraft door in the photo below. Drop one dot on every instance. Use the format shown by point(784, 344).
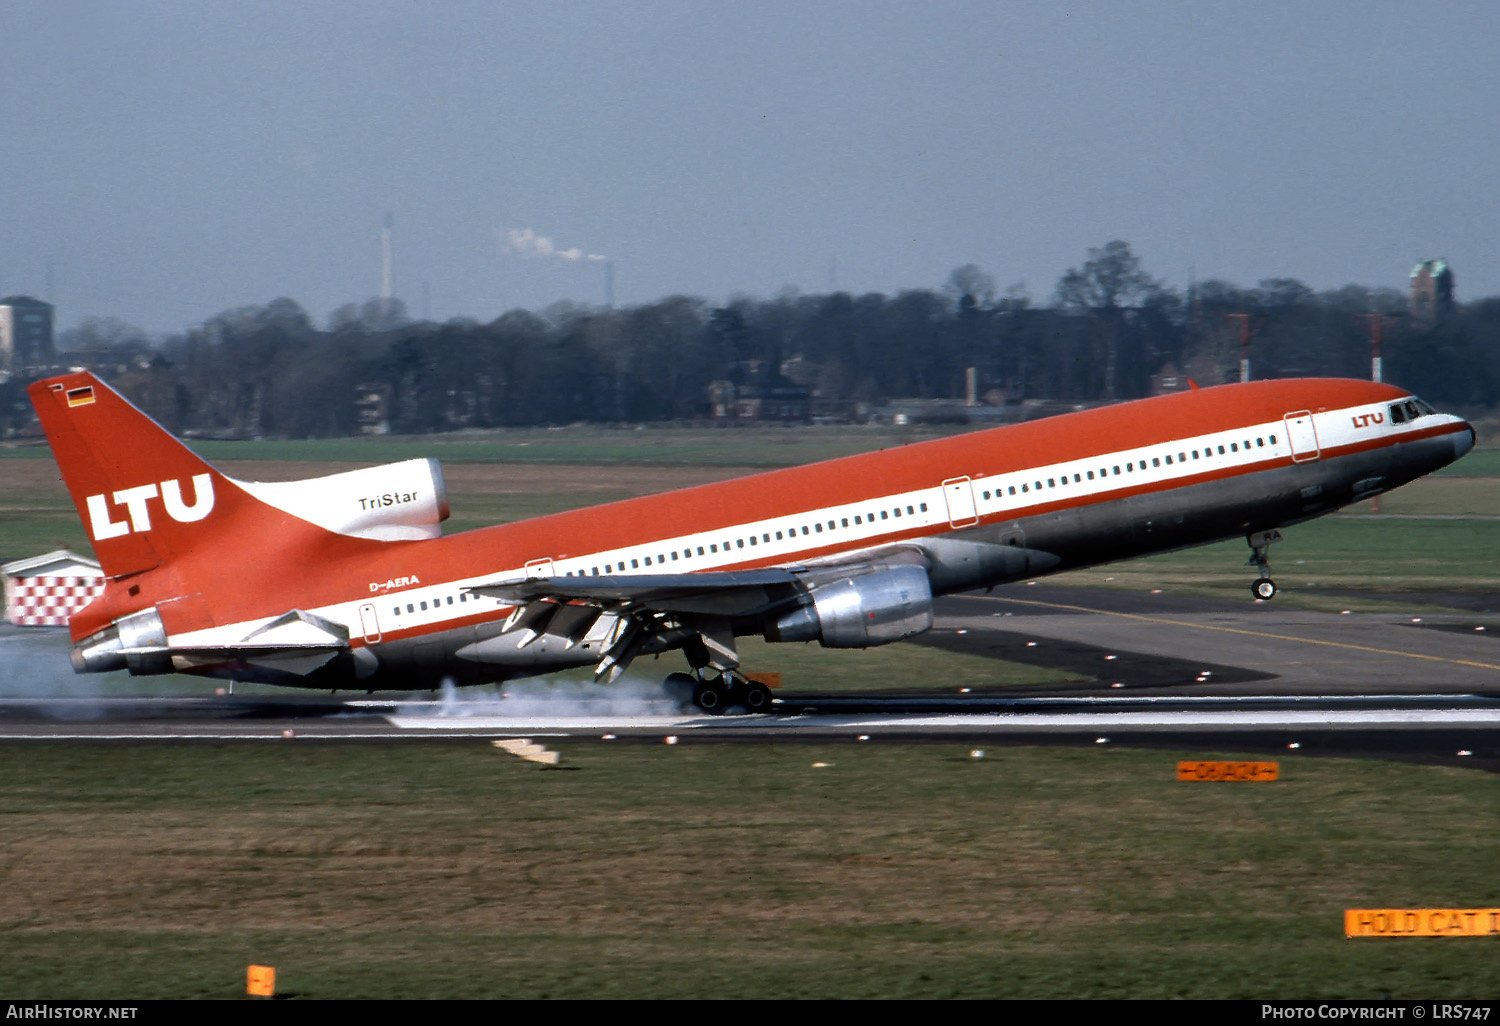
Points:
point(958, 493)
point(539, 567)
point(1302, 434)
point(369, 623)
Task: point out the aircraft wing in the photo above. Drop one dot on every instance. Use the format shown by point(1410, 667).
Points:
point(723, 593)
point(638, 608)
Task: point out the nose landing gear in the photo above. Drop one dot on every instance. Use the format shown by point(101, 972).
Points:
point(1263, 589)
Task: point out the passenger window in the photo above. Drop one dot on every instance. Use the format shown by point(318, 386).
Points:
point(1051, 482)
point(1221, 450)
point(1091, 475)
point(845, 521)
point(1012, 489)
point(818, 528)
point(635, 564)
point(897, 511)
point(1273, 439)
point(450, 600)
point(1024, 488)
point(1260, 443)
point(648, 560)
point(741, 542)
point(1169, 461)
point(713, 548)
point(883, 516)
point(1077, 479)
point(397, 611)
point(424, 607)
point(1233, 447)
point(1130, 468)
point(674, 555)
point(778, 536)
point(923, 507)
point(1156, 461)
point(1117, 470)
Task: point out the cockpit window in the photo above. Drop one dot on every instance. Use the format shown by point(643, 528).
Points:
point(1410, 409)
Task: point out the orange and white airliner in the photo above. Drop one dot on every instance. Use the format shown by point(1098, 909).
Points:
point(346, 582)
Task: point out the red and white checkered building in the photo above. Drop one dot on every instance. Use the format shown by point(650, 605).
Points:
point(45, 591)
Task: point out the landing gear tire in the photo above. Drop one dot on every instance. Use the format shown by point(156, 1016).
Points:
point(679, 687)
point(756, 696)
point(711, 696)
point(1264, 589)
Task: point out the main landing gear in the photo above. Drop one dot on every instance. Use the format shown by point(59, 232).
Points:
point(1260, 543)
point(716, 695)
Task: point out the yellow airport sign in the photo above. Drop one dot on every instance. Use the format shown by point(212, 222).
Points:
point(1255, 772)
point(1421, 922)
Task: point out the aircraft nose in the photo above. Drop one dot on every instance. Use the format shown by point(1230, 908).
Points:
point(1463, 441)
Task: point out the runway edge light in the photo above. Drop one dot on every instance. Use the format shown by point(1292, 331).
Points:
point(260, 981)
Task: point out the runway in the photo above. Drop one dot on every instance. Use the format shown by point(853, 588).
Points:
point(1164, 670)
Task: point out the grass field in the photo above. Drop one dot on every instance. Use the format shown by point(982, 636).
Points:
point(731, 871)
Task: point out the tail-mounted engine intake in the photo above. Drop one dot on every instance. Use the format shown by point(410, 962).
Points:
point(875, 609)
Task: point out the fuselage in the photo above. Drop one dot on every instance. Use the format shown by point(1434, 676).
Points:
point(1038, 497)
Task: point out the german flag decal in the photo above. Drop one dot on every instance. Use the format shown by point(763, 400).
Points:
point(81, 396)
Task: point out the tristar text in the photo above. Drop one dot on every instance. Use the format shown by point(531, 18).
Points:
point(388, 499)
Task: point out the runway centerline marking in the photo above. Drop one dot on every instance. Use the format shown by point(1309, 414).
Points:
point(1239, 630)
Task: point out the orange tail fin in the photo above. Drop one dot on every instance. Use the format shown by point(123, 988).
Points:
point(144, 497)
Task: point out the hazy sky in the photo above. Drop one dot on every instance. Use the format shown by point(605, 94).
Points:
point(172, 160)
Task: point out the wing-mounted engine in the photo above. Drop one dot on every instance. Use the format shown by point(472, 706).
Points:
point(876, 608)
point(403, 501)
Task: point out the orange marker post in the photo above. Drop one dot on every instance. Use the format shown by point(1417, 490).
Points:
point(260, 981)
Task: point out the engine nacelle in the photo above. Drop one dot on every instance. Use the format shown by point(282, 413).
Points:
point(117, 646)
point(858, 612)
point(392, 502)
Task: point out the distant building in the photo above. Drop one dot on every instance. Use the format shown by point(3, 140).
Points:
point(756, 391)
point(44, 591)
point(1169, 379)
point(25, 333)
point(372, 408)
point(1431, 293)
